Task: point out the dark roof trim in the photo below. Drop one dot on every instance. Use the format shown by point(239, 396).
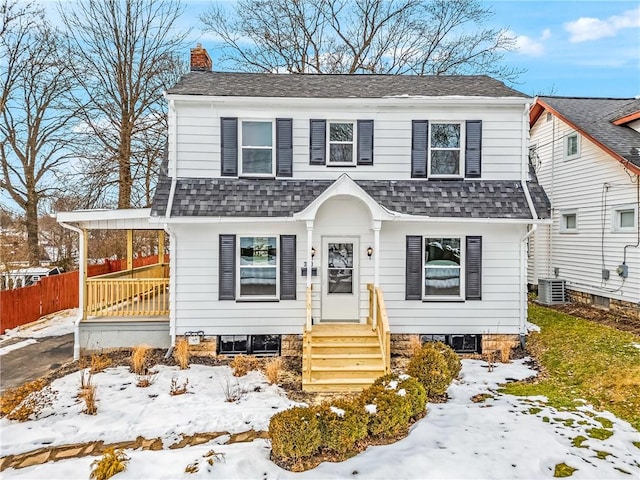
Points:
point(627, 118)
point(540, 106)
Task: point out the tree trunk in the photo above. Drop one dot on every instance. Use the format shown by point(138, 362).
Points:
point(124, 169)
point(31, 222)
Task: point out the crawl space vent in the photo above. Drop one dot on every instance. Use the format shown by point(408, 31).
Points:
point(551, 291)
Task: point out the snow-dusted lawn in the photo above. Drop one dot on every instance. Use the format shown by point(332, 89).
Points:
point(502, 437)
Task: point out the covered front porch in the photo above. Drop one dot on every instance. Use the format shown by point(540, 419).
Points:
point(125, 302)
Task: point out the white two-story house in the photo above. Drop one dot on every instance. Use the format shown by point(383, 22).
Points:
point(336, 215)
point(586, 153)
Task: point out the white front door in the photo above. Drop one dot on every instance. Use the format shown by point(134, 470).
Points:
point(339, 278)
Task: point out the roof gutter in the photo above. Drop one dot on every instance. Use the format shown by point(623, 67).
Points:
point(81, 276)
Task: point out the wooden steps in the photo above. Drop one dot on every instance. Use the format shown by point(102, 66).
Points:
point(343, 358)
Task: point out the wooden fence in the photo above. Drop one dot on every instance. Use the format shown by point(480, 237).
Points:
point(55, 293)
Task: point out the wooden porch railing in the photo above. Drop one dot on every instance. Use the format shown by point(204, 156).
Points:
point(306, 340)
point(380, 323)
point(138, 292)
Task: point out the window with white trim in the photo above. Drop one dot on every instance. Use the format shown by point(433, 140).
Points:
point(572, 146)
point(569, 221)
point(341, 143)
point(442, 268)
point(258, 267)
point(446, 152)
point(257, 140)
point(624, 218)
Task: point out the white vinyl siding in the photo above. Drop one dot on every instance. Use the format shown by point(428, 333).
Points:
point(597, 184)
point(198, 137)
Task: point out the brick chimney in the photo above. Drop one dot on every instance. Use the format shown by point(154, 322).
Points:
point(200, 60)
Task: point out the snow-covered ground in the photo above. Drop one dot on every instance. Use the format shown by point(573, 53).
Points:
point(502, 437)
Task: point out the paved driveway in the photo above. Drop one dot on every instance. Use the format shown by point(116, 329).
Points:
point(35, 360)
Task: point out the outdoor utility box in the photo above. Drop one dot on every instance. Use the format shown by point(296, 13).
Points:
point(551, 291)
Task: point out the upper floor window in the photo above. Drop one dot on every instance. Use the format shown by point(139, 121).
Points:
point(341, 143)
point(569, 221)
point(572, 146)
point(257, 148)
point(446, 150)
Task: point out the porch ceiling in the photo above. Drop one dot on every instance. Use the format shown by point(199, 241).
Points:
point(124, 219)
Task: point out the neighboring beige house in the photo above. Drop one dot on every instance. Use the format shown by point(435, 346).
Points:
point(586, 154)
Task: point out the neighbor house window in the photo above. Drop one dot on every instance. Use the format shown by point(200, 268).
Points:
point(569, 221)
point(257, 155)
point(442, 268)
point(624, 218)
point(445, 149)
point(572, 146)
point(341, 143)
point(258, 266)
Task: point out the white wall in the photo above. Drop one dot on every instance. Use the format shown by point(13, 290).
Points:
point(593, 184)
point(198, 308)
point(198, 136)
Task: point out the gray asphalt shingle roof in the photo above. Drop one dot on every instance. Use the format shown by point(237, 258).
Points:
point(229, 84)
point(594, 117)
point(233, 197)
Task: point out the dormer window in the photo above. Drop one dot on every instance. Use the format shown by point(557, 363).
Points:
point(258, 139)
point(341, 143)
point(446, 150)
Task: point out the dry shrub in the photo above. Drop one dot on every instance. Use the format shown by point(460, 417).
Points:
point(272, 369)
point(176, 389)
point(140, 359)
point(181, 353)
point(243, 364)
point(505, 347)
point(87, 392)
point(14, 396)
point(113, 461)
point(144, 381)
point(99, 363)
point(414, 344)
point(231, 389)
point(33, 404)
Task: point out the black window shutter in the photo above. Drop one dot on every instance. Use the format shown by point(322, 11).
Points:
point(284, 147)
point(419, 145)
point(473, 268)
point(227, 268)
point(287, 267)
point(414, 268)
point(473, 149)
point(365, 142)
point(317, 142)
point(229, 147)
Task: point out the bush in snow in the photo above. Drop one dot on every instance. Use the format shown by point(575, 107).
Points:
point(243, 364)
point(140, 359)
point(295, 434)
point(412, 388)
point(389, 411)
point(429, 366)
point(342, 424)
point(451, 357)
point(112, 462)
point(181, 353)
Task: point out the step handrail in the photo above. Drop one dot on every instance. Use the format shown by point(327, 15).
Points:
point(380, 323)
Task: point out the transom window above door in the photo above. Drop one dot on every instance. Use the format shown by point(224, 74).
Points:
point(341, 143)
point(257, 142)
point(445, 149)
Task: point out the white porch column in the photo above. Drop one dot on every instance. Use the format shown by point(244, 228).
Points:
point(376, 269)
point(309, 246)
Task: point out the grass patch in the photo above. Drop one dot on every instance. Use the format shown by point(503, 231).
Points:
point(534, 410)
point(582, 359)
point(599, 433)
point(605, 422)
point(602, 455)
point(546, 419)
point(578, 441)
point(636, 444)
point(563, 470)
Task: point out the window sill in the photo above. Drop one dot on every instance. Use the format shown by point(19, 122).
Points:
point(443, 300)
point(447, 177)
point(341, 165)
point(257, 300)
point(254, 176)
point(568, 232)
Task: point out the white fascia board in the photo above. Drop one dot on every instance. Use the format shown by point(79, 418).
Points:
point(84, 216)
point(395, 101)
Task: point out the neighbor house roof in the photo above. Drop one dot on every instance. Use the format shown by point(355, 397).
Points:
point(228, 84)
point(594, 118)
point(233, 197)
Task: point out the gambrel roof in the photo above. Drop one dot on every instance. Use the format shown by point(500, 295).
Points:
point(227, 84)
point(597, 119)
point(243, 197)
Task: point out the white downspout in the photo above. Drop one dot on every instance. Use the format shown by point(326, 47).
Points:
point(81, 268)
point(523, 280)
point(173, 248)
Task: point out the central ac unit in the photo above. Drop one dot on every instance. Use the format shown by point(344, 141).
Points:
point(551, 291)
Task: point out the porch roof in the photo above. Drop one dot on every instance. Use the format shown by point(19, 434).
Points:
point(123, 219)
point(254, 198)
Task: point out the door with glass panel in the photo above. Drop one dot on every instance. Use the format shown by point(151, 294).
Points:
point(340, 285)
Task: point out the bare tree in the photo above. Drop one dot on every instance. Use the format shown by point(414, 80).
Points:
point(35, 125)
point(424, 37)
point(125, 56)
